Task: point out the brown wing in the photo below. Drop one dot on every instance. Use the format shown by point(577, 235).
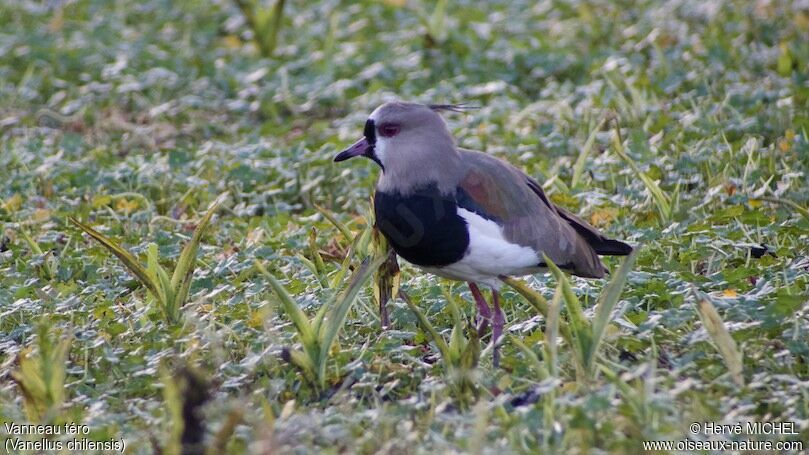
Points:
point(602, 245)
point(498, 191)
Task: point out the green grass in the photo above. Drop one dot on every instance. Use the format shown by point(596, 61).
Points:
point(679, 126)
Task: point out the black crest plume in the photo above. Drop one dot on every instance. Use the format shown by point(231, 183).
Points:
point(451, 107)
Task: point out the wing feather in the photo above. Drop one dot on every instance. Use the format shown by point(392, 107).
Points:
point(495, 190)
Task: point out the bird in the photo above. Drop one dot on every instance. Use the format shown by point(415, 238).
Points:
point(466, 215)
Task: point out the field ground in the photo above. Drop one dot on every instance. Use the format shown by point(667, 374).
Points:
point(680, 126)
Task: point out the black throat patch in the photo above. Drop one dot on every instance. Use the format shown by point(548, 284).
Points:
point(370, 136)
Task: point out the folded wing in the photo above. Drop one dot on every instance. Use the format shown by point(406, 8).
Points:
point(500, 192)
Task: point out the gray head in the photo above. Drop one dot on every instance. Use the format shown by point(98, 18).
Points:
point(412, 145)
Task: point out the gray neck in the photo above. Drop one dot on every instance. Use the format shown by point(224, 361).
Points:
point(442, 169)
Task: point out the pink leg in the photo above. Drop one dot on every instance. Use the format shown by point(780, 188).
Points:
point(498, 322)
point(484, 313)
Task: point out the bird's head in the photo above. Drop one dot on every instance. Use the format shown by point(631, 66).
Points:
point(406, 140)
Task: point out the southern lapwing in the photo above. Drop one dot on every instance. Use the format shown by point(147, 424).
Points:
point(465, 215)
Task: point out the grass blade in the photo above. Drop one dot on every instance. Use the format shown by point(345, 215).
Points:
point(783, 201)
point(338, 309)
point(339, 276)
point(128, 259)
point(426, 325)
point(291, 308)
point(578, 323)
point(41, 376)
point(552, 327)
point(386, 279)
point(724, 343)
point(225, 432)
point(354, 249)
point(159, 275)
point(184, 270)
point(435, 24)
point(580, 328)
point(364, 241)
point(36, 249)
point(31, 242)
point(605, 304)
point(316, 258)
point(264, 23)
point(578, 166)
point(471, 352)
point(456, 344)
point(272, 27)
point(312, 268)
point(337, 223)
point(536, 300)
point(532, 358)
point(303, 362)
point(452, 305)
point(661, 200)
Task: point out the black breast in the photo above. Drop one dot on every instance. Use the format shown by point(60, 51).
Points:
point(423, 227)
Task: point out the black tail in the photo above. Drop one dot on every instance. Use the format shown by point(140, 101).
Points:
point(610, 247)
point(600, 244)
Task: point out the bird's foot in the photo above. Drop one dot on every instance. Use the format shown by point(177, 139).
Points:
point(485, 315)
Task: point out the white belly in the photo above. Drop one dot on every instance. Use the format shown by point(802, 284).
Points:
point(488, 255)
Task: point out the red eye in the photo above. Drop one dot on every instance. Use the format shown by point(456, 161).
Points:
point(388, 129)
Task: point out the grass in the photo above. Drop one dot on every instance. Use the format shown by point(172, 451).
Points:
point(169, 294)
point(679, 126)
point(318, 336)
